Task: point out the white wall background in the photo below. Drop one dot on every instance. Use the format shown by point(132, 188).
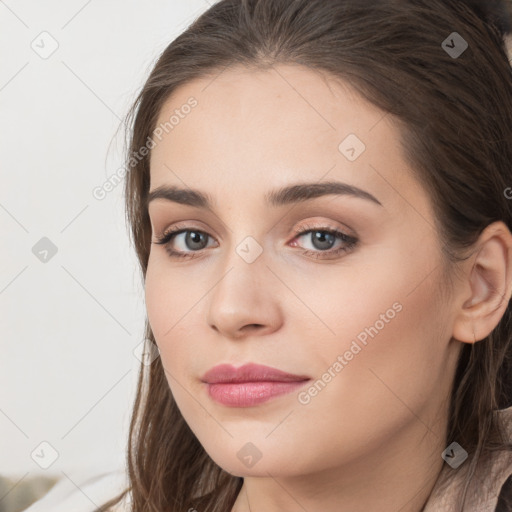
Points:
point(68, 326)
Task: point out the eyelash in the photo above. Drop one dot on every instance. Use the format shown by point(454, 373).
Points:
point(350, 241)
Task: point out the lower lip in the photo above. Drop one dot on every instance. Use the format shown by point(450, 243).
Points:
point(245, 394)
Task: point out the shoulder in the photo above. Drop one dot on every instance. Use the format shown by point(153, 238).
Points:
point(487, 489)
point(83, 493)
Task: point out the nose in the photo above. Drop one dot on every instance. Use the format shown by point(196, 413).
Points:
point(244, 300)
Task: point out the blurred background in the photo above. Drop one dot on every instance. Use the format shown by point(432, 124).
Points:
point(71, 299)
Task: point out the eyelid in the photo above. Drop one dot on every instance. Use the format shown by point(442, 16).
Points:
point(184, 225)
point(322, 226)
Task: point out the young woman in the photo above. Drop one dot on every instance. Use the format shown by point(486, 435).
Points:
point(320, 199)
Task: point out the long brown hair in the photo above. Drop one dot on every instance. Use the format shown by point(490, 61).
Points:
point(455, 119)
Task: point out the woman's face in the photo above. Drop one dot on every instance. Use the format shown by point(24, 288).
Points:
point(359, 314)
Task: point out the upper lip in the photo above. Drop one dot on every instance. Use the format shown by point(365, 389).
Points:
point(249, 373)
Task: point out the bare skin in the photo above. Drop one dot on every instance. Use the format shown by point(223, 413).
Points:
point(371, 438)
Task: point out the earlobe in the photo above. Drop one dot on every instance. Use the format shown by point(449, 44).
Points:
point(487, 285)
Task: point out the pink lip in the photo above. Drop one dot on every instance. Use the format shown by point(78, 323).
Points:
point(250, 384)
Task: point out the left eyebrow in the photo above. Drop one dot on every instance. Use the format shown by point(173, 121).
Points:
point(304, 191)
point(295, 193)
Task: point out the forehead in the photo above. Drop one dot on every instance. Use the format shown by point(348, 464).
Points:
point(251, 130)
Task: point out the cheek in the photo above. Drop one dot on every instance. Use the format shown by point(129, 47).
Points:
point(173, 299)
point(389, 327)
point(157, 298)
point(169, 293)
point(392, 345)
point(394, 377)
point(167, 301)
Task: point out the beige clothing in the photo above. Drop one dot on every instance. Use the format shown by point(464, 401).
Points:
point(491, 473)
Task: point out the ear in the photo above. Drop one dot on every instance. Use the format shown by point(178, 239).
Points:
point(486, 288)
